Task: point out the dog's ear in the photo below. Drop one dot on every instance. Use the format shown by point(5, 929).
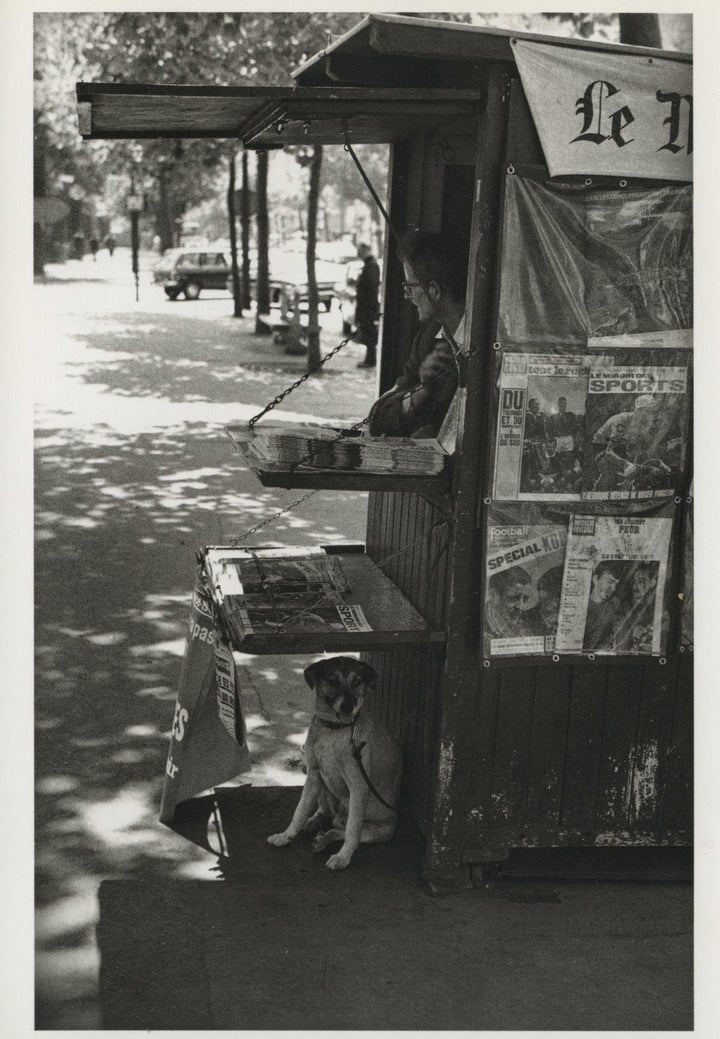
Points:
point(367, 671)
point(312, 672)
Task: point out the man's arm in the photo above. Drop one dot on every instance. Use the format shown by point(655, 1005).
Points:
point(421, 404)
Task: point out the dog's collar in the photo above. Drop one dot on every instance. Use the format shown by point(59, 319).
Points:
point(335, 725)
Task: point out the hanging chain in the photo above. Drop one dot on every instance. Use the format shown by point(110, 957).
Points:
point(271, 519)
point(298, 382)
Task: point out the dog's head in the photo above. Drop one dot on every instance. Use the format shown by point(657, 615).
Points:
point(340, 684)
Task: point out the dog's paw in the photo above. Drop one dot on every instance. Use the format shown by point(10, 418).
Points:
point(279, 839)
point(338, 861)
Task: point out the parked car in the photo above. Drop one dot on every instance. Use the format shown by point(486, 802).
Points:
point(288, 274)
point(190, 271)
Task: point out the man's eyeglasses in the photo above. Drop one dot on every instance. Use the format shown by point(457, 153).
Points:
point(408, 286)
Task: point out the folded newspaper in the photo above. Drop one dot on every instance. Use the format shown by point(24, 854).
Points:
point(283, 446)
point(279, 590)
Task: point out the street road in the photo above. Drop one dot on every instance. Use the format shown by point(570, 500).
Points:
point(134, 473)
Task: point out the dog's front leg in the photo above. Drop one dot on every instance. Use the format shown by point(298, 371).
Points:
point(357, 807)
point(305, 808)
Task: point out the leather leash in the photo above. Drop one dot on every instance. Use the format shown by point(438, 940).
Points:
point(357, 754)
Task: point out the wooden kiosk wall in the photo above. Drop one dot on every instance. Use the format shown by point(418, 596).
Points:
point(511, 753)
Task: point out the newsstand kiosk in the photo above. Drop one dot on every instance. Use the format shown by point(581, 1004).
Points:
point(531, 604)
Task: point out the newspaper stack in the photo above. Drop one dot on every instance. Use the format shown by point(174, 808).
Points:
point(281, 446)
point(278, 591)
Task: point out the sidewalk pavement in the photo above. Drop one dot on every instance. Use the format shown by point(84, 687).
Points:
point(284, 943)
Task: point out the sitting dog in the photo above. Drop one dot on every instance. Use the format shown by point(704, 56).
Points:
point(353, 765)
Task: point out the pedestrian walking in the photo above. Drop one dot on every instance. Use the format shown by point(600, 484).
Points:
point(110, 244)
point(367, 307)
point(78, 240)
point(94, 246)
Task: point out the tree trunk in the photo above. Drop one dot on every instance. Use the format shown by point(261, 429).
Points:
point(642, 30)
point(235, 274)
point(263, 236)
point(165, 226)
point(245, 232)
point(313, 356)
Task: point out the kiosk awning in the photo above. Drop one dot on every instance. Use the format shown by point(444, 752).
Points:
point(268, 117)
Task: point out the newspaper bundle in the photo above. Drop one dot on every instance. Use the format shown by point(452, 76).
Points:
point(584, 427)
point(614, 584)
point(278, 591)
point(283, 446)
point(524, 579)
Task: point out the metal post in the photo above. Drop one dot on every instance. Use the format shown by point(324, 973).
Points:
point(136, 204)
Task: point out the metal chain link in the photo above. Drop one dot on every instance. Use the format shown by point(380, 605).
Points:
point(298, 382)
point(271, 519)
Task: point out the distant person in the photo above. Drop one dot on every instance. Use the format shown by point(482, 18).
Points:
point(367, 307)
point(94, 246)
point(418, 402)
point(78, 241)
point(110, 244)
point(602, 612)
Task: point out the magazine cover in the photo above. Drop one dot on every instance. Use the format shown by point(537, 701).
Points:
point(523, 585)
point(267, 620)
point(614, 584)
point(541, 420)
point(636, 432)
point(238, 572)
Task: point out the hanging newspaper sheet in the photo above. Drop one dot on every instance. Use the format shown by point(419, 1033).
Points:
point(614, 114)
point(579, 263)
point(614, 583)
point(585, 427)
point(539, 444)
point(207, 742)
point(636, 431)
point(524, 578)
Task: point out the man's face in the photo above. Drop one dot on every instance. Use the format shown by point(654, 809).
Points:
point(534, 407)
point(640, 584)
point(562, 405)
point(416, 294)
point(516, 599)
point(603, 586)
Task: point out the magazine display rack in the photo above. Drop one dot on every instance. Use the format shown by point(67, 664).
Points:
point(295, 619)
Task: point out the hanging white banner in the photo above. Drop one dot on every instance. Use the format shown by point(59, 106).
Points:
point(609, 114)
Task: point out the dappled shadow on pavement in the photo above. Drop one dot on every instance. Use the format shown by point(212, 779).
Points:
point(134, 473)
point(215, 360)
point(119, 519)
